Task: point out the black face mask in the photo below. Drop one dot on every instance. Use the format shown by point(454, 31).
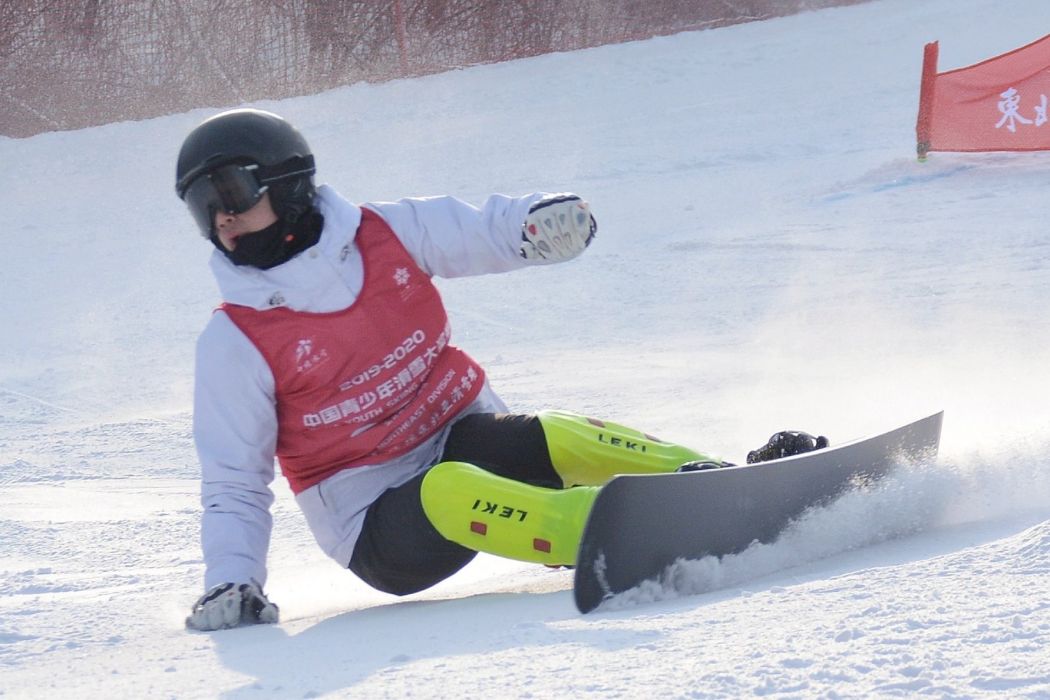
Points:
point(277, 243)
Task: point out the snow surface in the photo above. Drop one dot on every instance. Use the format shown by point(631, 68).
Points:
point(771, 255)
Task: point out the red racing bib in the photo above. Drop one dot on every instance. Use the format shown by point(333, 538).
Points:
point(371, 382)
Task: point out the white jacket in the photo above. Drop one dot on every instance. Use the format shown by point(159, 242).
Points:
point(234, 421)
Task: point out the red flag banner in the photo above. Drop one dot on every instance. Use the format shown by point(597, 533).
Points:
point(996, 105)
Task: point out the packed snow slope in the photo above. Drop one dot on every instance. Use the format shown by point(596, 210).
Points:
point(770, 256)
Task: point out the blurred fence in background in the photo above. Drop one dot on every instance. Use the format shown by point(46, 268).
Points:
point(67, 65)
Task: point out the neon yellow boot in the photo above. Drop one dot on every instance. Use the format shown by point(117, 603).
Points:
point(489, 513)
point(586, 451)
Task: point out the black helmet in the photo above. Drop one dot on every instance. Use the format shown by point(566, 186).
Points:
point(228, 162)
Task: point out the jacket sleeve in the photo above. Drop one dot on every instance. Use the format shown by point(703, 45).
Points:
point(235, 431)
point(451, 238)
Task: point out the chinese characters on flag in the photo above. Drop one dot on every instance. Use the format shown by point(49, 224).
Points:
point(997, 105)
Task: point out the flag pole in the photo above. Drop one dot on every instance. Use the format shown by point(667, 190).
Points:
point(926, 89)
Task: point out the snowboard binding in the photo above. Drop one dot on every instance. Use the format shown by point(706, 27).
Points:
point(785, 444)
point(703, 465)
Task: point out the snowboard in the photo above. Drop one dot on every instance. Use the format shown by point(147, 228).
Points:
point(641, 524)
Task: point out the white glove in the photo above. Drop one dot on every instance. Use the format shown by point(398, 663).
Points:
point(558, 228)
point(231, 605)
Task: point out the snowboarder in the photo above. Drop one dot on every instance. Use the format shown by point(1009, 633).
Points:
point(331, 351)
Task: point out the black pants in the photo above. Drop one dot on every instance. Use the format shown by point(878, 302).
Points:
point(399, 551)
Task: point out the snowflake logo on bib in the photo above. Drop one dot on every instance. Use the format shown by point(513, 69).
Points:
point(401, 276)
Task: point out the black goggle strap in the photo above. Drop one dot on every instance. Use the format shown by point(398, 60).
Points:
point(297, 165)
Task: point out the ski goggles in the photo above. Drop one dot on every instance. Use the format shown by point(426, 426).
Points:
point(233, 189)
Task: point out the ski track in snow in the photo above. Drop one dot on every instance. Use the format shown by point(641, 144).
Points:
point(770, 257)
